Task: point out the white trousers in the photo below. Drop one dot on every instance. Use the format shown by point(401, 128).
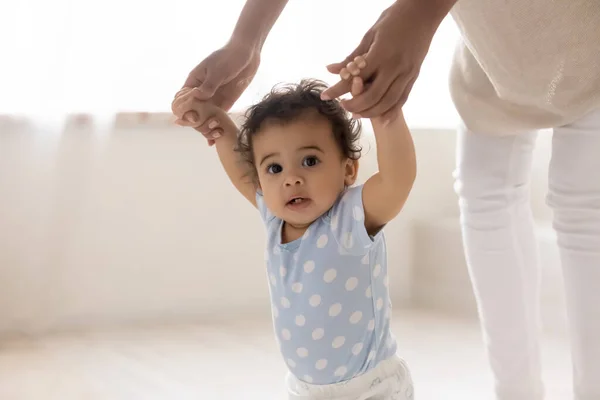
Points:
point(492, 181)
point(390, 380)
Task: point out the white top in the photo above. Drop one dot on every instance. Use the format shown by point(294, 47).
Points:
point(526, 64)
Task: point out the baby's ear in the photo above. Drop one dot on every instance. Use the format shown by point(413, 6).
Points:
point(351, 172)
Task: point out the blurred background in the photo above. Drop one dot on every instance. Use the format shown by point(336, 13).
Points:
point(129, 266)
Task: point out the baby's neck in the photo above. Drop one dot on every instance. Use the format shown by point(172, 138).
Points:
point(291, 232)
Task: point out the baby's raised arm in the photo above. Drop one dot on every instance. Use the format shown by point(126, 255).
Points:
point(385, 193)
point(237, 169)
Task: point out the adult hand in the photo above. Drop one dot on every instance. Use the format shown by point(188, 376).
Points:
point(221, 77)
point(394, 49)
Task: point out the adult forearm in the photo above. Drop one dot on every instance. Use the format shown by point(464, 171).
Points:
point(430, 13)
point(256, 20)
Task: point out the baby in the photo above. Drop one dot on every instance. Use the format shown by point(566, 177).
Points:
point(296, 160)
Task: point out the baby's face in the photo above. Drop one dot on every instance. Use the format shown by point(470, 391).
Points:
point(301, 169)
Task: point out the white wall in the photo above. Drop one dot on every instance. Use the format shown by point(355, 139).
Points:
point(139, 222)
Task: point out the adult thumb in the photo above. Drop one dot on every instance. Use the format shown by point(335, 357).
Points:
point(209, 85)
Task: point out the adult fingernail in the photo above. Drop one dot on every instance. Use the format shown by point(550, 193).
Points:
point(325, 96)
point(216, 135)
point(213, 124)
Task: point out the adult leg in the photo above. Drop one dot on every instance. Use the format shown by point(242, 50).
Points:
point(574, 195)
point(492, 181)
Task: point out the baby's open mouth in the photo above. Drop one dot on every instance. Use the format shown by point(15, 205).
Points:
point(296, 200)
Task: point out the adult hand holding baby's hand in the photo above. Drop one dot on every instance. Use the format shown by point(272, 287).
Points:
point(221, 77)
point(203, 113)
point(394, 50)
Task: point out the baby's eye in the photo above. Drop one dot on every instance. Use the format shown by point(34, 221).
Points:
point(274, 169)
point(310, 161)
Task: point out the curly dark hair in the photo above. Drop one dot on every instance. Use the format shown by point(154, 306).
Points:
point(285, 103)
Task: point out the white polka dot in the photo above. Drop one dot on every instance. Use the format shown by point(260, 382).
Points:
point(355, 317)
point(368, 292)
point(318, 334)
point(307, 378)
point(386, 281)
point(371, 325)
point(273, 280)
point(285, 303)
point(348, 240)
point(286, 335)
point(351, 284)
point(275, 312)
point(357, 348)
point(357, 213)
point(309, 266)
point(335, 310)
point(282, 271)
point(291, 363)
point(338, 342)
point(302, 352)
point(300, 320)
point(322, 241)
point(297, 287)
point(377, 270)
point(334, 222)
point(365, 259)
point(330, 275)
point(341, 371)
point(314, 300)
point(321, 364)
point(379, 303)
point(371, 356)
point(276, 250)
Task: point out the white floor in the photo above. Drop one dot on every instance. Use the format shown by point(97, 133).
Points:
point(238, 360)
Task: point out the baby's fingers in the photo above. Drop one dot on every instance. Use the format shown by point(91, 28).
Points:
point(357, 86)
point(189, 118)
point(182, 91)
point(177, 105)
point(353, 68)
point(188, 110)
point(211, 129)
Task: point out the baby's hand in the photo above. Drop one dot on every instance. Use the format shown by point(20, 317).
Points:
point(203, 111)
point(352, 71)
point(185, 101)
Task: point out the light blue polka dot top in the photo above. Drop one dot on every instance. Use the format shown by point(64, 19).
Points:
point(329, 294)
